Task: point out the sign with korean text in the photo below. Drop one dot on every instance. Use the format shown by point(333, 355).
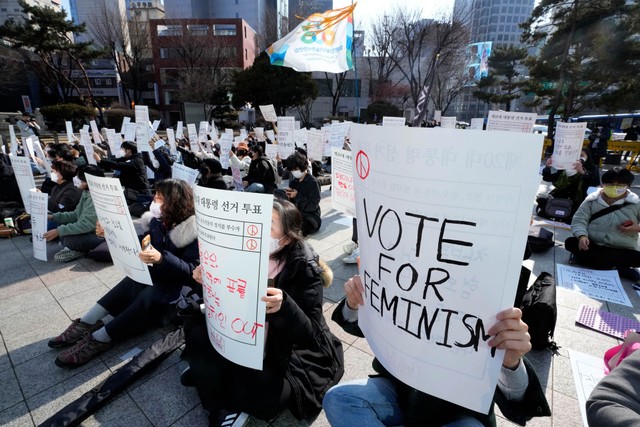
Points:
point(172, 141)
point(314, 144)
point(69, 128)
point(393, 121)
point(567, 145)
point(234, 230)
point(119, 231)
point(511, 122)
point(95, 133)
point(269, 113)
point(342, 192)
point(184, 173)
point(477, 123)
point(337, 134)
point(443, 216)
point(193, 137)
point(125, 122)
point(39, 203)
point(24, 175)
point(448, 122)
point(142, 128)
point(85, 141)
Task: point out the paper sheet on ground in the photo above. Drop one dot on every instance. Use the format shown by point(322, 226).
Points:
point(38, 223)
point(541, 222)
point(443, 217)
point(587, 372)
point(184, 173)
point(24, 175)
point(234, 229)
point(603, 285)
point(119, 231)
point(343, 198)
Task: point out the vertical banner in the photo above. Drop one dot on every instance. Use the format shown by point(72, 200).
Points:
point(393, 121)
point(234, 231)
point(569, 138)
point(448, 122)
point(337, 134)
point(193, 137)
point(286, 141)
point(269, 113)
point(119, 231)
point(85, 141)
point(443, 218)
point(125, 122)
point(184, 173)
point(314, 145)
point(38, 213)
point(343, 197)
point(142, 128)
point(69, 128)
point(172, 141)
point(24, 175)
point(477, 123)
point(511, 122)
point(13, 140)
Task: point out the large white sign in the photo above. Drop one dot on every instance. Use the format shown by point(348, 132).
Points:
point(448, 122)
point(172, 141)
point(393, 121)
point(24, 175)
point(119, 231)
point(69, 128)
point(113, 141)
point(511, 122)
point(95, 132)
point(300, 137)
point(269, 113)
point(184, 173)
point(39, 202)
point(130, 132)
point(234, 229)
point(179, 131)
point(226, 141)
point(125, 122)
point(286, 141)
point(443, 218)
point(343, 197)
point(567, 146)
point(587, 373)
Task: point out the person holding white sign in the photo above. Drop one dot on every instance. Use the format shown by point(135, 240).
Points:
point(384, 400)
point(64, 196)
point(211, 175)
point(261, 177)
point(304, 192)
point(606, 225)
point(133, 172)
point(241, 158)
point(302, 357)
point(170, 247)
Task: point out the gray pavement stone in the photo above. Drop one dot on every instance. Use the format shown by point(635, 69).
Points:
point(19, 287)
point(11, 393)
point(357, 364)
point(337, 330)
point(5, 363)
point(19, 303)
point(195, 417)
point(16, 273)
point(566, 411)
point(78, 304)
point(16, 416)
point(76, 285)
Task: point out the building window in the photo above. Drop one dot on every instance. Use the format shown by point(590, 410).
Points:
point(97, 82)
point(169, 30)
point(237, 15)
point(246, 54)
point(324, 87)
point(167, 97)
point(245, 32)
point(224, 30)
point(107, 82)
point(169, 76)
point(198, 30)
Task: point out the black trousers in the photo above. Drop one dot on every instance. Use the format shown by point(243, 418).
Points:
point(600, 257)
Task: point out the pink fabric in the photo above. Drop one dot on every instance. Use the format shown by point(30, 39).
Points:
point(275, 268)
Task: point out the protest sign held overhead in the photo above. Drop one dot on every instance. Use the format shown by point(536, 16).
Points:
point(443, 218)
point(322, 42)
point(567, 146)
point(142, 128)
point(269, 113)
point(477, 123)
point(234, 231)
point(393, 121)
point(448, 122)
point(184, 173)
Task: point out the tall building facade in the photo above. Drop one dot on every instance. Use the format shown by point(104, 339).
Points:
point(304, 8)
point(10, 9)
point(90, 11)
point(495, 21)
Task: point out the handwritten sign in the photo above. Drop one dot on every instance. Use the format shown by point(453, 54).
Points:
point(269, 113)
point(233, 236)
point(69, 128)
point(448, 122)
point(603, 285)
point(286, 140)
point(270, 135)
point(193, 137)
point(259, 131)
point(271, 150)
point(342, 191)
point(38, 202)
point(511, 122)
point(24, 175)
point(587, 372)
point(567, 146)
point(226, 141)
point(337, 134)
point(130, 132)
point(142, 128)
point(433, 250)
point(119, 231)
point(113, 141)
point(184, 173)
point(393, 121)
point(300, 137)
point(172, 141)
point(477, 124)
point(40, 153)
point(314, 145)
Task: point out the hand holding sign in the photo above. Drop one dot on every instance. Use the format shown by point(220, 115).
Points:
point(510, 334)
point(273, 299)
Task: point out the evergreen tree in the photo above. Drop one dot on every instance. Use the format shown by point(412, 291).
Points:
point(502, 85)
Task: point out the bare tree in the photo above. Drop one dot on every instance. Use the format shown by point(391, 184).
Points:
point(269, 32)
point(304, 112)
point(451, 78)
point(380, 51)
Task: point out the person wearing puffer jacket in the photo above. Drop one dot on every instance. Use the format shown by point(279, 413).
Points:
point(606, 225)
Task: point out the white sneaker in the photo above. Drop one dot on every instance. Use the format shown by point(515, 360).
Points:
point(352, 258)
point(350, 247)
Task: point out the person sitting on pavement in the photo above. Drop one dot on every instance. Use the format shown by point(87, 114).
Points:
point(385, 401)
point(77, 229)
point(304, 192)
point(605, 227)
point(570, 184)
point(133, 172)
point(240, 159)
point(63, 196)
point(211, 175)
point(297, 333)
point(172, 255)
point(261, 177)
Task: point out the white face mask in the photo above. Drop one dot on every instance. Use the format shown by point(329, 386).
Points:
point(296, 174)
point(274, 245)
point(122, 153)
point(584, 159)
point(156, 209)
point(77, 181)
point(54, 177)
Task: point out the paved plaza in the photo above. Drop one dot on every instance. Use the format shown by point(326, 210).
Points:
point(38, 300)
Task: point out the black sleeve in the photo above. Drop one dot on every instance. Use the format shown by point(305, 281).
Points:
point(120, 165)
point(349, 327)
point(547, 176)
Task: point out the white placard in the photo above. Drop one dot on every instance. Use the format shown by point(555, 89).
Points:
point(300, 138)
point(314, 145)
point(155, 125)
point(85, 141)
point(567, 146)
point(271, 135)
point(271, 150)
point(226, 141)
point(603, 285)
point(38, 213)
point(235, 263)
point(511, 122)
point(130, 132)
point(45, 160)
point(12, 139)
point(269, 113)
point(237, 140)
point(193, 137)
point(95, 132)
point(119, 231)
point(158, 144)
point(477, 124)
point(184, 173)
point(203, 129)
point(172, 141)
point(343, 197)
point(286, 140)
point(437, 115)
point(448, 122)
point(393, 121)
point(28, 148)
point(587, 373)
point(69, 128)
point(125, 122)
point(259, 131)
point(213, 133)
point(24, 175)
point(113, 141)
point(337, 133)
point(142, 128)
point(179, 131)
point(243, 134)
point(229, 131)
point(441, 252)
point(286, 123)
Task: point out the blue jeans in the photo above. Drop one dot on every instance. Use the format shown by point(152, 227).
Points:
point(372, 402)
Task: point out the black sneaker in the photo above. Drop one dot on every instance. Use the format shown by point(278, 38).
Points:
point(230, 419)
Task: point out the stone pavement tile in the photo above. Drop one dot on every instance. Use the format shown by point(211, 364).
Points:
point(198, 416)
point(286, 419)
point(163, 399)
point(11, 393)
point(563, 377)
point(567, 319)
point(595, 346)
point(48, 402)
point(571, 299)
point(566, 411)
point(343, 272)
point(328, 306)
point(346, 338)
point(543, 363)
point(335, 292)
point(122, 412)
point(27, 301)
point(78, 304)
point(55, 272)
point(362, 344)
point(76, 285)
point(16, 416)
point(42, 317)
point(357, 364)
point(41, 373)
point(19, 287)
point(17, 272)
point(542, 263)
point(623, 310)
point(5, 363)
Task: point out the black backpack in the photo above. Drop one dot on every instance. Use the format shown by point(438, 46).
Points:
point(539, 312)
point(540, 239)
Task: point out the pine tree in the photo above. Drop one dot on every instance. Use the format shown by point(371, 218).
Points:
point(502, 85)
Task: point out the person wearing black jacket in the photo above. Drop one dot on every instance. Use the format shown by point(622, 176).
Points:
point(133, 172)
point(304, 192)
point(261, 177)
point(63, 196)
point(211, 175)
point(302, 359)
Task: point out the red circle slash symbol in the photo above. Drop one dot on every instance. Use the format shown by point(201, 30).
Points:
point(363, 166)
point(252, 230)
point(252, 244)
